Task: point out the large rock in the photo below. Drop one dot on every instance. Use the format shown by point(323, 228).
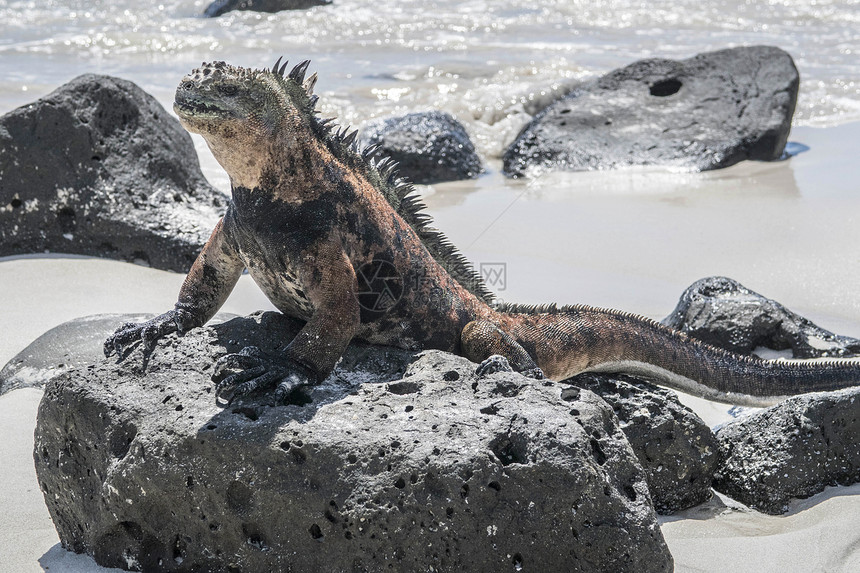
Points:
point(99, 168)
point(429, 147)
point(219, 7)
point(374, 470)
point(72, 344)
point(792, 450)
point(723, 312)
point(677, 450)
point(707, 112)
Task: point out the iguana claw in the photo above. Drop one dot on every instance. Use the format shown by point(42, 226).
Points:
point(146, 333)
point(257, 371)
point(498, 363)
point(493, 364)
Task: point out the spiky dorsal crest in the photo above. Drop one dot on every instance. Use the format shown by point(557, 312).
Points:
point(381, 172)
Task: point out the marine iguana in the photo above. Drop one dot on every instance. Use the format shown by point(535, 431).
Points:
point(321, 226)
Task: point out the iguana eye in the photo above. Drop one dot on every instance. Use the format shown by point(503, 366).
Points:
point(229, 90)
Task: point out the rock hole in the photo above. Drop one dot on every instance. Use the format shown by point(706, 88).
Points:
point(298, 456)
point(449, 511)
point(239, 497)
point(464, 490)
point(178, 550)
point(664, 88)
point(570, 394)
point(400, 483)
point(597, 451)
point(121, 442)
point(211, 427)
point(96, 158)
point(352, 458)
point(495, 485)
point(347, 534)
point(403, 387)
point(574, 412)
point(251, 413)
point(254, 537)
point(316, 532)
point(179, 408)
point(395, 444)
point(490, 410)
point(15, 203)
point(413, 479)
point(409, 408)
point(630, 492)
point(451, 376)
point(517, 560)
point(66, 219)
point(189, 482)
point(509, 450)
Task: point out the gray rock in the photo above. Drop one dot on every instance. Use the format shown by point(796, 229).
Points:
point(430, 147)
point(99, 168)
point(70, 345)
point(73, 344)
point(219, 7)
point(722, 312)
point(792, 450)
point(707, 112)
point(677, 450)
point(373, 470)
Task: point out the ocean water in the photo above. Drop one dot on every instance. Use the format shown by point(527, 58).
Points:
point(490, 63)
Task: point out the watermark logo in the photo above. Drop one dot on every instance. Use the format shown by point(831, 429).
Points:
point(380, 286)
point(495, 275)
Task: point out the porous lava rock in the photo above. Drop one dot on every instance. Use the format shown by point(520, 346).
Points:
point(677, 450)
point(724, 313)
point(219, 7)
point(791, 450)
point(706, 112)
point(99, 168)
point(392, 463)
point(429, 147)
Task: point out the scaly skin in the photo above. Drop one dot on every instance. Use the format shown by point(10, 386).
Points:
point(314, 221)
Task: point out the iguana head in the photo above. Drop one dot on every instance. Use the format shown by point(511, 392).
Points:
point(242, 113)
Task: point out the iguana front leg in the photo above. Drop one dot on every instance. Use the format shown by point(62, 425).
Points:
point(207, 285)
point(484, 342)
point(329, 281)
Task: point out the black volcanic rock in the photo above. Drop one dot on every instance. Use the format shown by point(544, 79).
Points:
point(386, 466)
point(791, 450)
point(706, 112)
point(99, 168)
point(219, 7)
point(724, 313)
point(677, 450)
point(429, 147)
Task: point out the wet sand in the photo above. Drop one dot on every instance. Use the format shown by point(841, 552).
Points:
point(632, 240)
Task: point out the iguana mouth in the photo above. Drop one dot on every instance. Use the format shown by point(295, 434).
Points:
point(195, 107)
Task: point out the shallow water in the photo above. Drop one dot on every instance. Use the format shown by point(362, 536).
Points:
point(486, 62)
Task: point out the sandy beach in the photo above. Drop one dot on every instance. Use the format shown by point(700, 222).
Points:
point(630, 240)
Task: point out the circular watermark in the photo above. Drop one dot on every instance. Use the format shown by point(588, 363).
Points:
point(380, 286)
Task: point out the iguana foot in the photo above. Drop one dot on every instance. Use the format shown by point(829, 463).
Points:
point(147, 332)
point(257, 371)
point(493, 364)
point(498, 363)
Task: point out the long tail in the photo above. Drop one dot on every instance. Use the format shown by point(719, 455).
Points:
point(574, 339)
